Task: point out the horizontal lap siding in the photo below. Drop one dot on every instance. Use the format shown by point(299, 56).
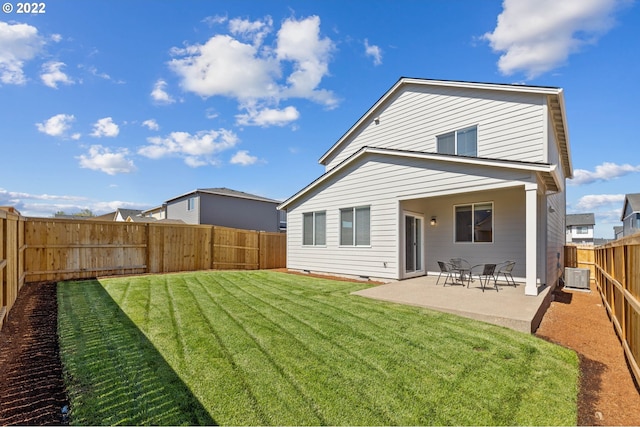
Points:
point(510, 125)
point(381, 182)
point(509, 228)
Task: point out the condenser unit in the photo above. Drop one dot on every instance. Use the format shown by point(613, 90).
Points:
point(577, 278)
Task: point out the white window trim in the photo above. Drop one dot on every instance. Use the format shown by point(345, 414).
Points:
point(313, 230)
point(455, 135)
point(493, 229)
point(189, 207)
point(353, 245)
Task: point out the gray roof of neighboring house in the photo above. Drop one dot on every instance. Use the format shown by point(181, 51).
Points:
point(127, 212)
point(581, 219)
point(222, 191)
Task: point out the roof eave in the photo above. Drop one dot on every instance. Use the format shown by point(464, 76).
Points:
point(541, 168)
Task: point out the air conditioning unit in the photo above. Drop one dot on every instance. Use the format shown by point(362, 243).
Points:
point(577, 278)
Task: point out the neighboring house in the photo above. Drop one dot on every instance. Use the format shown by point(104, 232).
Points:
point(631, 214)
point(580, 228)
point(618, 232)
point(122, 214)
point(225, 207)
point(159, 212)
point(436, 170)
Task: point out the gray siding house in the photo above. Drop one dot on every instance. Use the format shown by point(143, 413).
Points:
point(631, 214)
point(225, 207)
point(436, 170)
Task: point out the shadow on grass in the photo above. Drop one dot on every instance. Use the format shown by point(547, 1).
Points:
point(113, 373)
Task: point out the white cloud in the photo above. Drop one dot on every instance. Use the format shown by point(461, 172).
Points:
point(56, 125)
point(196, 150)
point(373, 51)
point(225, 66)
point(243, 158)
point(255, 31)
point(268, 117)
point(594, 201)
point(300, 42)
point(105, 127)
point(151, 124)
point(52, 74)
point(535, 36)
point(160, 95)
point(103, 159)
point(18, 43)
point(252, 72)
point(604, 172)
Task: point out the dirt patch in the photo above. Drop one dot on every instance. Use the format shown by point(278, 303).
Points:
point(32, 390)
point(608, 394)
point(31, 387)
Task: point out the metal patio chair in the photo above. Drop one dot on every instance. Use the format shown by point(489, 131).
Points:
point(462, 268)
point(505, 269)
point(447, 270)
point(488, 271)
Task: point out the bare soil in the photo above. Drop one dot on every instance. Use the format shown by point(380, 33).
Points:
point(32, 390)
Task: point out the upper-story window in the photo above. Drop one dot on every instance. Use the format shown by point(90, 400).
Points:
point(582, 229)
point(191, 203)
point(463, 142)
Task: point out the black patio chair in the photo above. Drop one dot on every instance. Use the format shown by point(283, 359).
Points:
point(505, 269)
point(447, 270)
point(488, 271)
point(462, 268)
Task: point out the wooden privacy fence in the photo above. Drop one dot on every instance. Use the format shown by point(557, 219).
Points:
point(12, 248)
point(617, 276)
point(62, 249)
point(51, 249)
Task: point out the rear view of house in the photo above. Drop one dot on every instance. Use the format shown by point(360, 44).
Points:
point(437, 170)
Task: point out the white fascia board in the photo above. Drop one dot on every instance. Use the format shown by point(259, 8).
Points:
point(475, 161)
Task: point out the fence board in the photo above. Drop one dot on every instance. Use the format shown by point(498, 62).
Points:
point(11, 255)
point(617, 276)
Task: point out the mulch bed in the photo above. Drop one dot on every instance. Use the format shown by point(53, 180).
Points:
point(32, 390)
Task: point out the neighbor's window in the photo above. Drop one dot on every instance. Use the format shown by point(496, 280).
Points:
point(474, 223)
point(462, 142)
point(191, 203)
point(355, 226)
point(314, 228)
point(581, 229)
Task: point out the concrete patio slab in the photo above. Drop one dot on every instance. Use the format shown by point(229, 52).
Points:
point(508, 307)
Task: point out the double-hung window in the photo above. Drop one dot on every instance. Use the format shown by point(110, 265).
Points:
point(582, 229)
point(314, 228)
point(463, 142)
point(355, 226)
point(474, 223)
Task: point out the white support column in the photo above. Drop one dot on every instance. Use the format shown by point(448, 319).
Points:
point(531, 239)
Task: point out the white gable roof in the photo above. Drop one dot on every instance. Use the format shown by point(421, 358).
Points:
point(554, 96)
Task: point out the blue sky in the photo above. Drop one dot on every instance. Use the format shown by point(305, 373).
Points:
point(127, 103)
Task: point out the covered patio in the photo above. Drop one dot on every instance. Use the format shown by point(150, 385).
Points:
point(508, 307)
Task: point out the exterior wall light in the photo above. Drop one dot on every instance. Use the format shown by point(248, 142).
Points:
point(433, 221)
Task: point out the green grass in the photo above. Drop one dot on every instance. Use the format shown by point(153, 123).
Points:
point(266, 348)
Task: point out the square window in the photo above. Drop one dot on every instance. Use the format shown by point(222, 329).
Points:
point(474, 223)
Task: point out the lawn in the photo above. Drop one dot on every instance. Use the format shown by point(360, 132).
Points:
point(267, 348)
